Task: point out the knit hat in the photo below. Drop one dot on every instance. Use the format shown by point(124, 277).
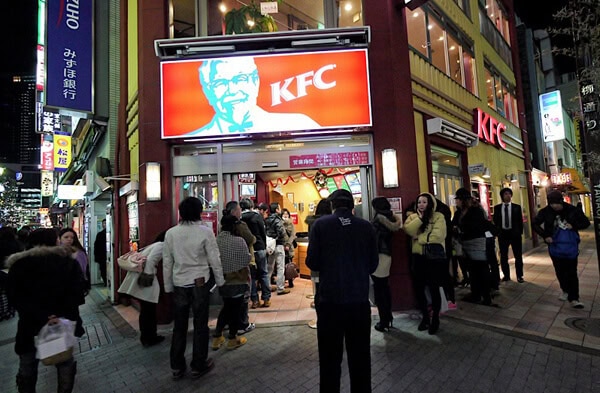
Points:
point(555, 196)
point(341, 195)
point(381, 204)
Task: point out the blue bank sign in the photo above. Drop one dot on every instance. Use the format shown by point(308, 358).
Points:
point(69, 54)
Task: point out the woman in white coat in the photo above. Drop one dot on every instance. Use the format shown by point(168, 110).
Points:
point(147, 295)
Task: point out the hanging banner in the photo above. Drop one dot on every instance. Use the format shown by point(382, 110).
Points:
point(69, 52)
point(47, 152)
point(47, 183)
point(265, 93)
point(62, 152)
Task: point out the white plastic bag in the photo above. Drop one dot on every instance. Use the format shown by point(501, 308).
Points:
point(54, 342)
point(444, 301)
point(271, 244)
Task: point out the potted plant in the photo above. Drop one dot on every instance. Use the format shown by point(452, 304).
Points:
point(249, 19)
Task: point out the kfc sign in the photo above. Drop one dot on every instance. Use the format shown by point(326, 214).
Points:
point(489, 129)
point(266, 93)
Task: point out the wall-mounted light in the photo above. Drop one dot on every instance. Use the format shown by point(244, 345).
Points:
point(153, 181)
point(390, 168)
point(511, 178)
point(486, 173)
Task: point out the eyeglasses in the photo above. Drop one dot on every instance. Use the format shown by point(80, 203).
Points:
point(223, 84)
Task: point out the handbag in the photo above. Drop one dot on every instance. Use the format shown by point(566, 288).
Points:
point(291, 271)
point(133, 261)
point(145, 280)
point(565, 244)
point(433, 251)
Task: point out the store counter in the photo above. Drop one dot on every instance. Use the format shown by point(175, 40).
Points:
point(300, 257)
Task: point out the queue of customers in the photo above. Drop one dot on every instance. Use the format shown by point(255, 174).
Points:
point(345, 254)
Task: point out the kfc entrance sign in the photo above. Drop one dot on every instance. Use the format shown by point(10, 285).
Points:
point(265, 93)
point(488, 129)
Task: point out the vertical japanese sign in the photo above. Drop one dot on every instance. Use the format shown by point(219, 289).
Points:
point(589, 105)
point(69, 54)
point(47, 183)
point(47, 152)
point(62, 152)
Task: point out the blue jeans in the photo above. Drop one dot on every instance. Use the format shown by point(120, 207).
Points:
point(196, 298)
point(260, 275)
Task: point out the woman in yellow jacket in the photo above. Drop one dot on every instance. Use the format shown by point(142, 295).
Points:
point(427, 226)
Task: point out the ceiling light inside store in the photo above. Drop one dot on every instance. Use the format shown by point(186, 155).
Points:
point(348, 6)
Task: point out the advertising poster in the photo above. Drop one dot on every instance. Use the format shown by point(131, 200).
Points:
point(553, 127)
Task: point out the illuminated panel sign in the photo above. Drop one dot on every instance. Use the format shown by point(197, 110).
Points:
point(266, 93)
point(47, 183)
point(559, 179)
point(69, 54)
point(62, 152)
point(551, 112)
point(71, 192)
point(47, 152)
point(488, 129)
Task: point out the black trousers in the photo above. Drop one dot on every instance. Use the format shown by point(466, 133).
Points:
point(147, 321)
point(383, 299)
point(102, 266)
point(340, 324)
point(566, 272)
point(480, 279)
point(230, 315)
point(428, 274)
point(509, 239)
point(490, 252)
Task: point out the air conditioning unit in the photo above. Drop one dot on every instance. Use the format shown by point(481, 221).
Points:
point(451, 131)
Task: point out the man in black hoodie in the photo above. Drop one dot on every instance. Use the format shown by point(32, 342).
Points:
point(559, 215)
point(256, 224)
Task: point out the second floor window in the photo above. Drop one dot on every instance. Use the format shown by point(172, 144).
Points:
point(443, 47)
point(501, 96)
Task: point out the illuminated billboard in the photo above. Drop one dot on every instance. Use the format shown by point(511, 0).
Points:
point(551, 111)
point(266, 93)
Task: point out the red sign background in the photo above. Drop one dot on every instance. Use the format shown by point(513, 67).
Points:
point(185, 108)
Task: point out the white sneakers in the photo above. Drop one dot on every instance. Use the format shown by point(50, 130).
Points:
point(576, 304)
point(564, 297)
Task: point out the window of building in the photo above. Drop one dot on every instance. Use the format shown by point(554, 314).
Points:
point(501, 96)
point(443, 46)
point(499, 18)
point(463, 5)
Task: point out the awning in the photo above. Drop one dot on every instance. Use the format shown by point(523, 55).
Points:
point(577, 185)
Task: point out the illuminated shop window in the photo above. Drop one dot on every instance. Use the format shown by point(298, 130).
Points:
point(443, 46)
point(501, 96)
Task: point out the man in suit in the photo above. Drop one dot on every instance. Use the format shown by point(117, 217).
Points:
point(508, 217)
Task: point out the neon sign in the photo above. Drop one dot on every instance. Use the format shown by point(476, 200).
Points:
point(489, 129)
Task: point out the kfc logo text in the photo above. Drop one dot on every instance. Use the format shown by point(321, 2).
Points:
point(280, 90)
point(489, 129)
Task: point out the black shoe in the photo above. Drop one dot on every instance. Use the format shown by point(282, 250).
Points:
point(424, 325)
point(153, 341)
point(505, 278)
point(209, 365)
point(520, 280)
point(435, 324)
point(178, 374)
point(471, 299)
point(382, 327)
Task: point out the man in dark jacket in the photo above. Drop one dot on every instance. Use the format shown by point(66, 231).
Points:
point(343, 249)
point(256, 224)
point(44, 283)
point(559, 214)
point(276, 230)
point(100, 251)
point(508, 218)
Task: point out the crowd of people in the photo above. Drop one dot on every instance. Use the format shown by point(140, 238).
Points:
point(46, 273)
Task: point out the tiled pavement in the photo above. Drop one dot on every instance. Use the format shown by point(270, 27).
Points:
point(523, 346)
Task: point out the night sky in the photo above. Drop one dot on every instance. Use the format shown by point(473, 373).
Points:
point(18, 36)
point(18, 30)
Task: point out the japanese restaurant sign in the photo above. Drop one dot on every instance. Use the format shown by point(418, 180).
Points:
point(265, 93)
point(62, 152)
point(329, 159)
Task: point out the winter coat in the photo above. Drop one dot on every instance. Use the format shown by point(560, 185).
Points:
point(435, 232)
point(43, 281)
point(385, 224)
point(256, 224)
point(544, 222)
point(290, 229)
point(343, 249)
point(242, 230)
point(276, 229)
point(153, 253)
